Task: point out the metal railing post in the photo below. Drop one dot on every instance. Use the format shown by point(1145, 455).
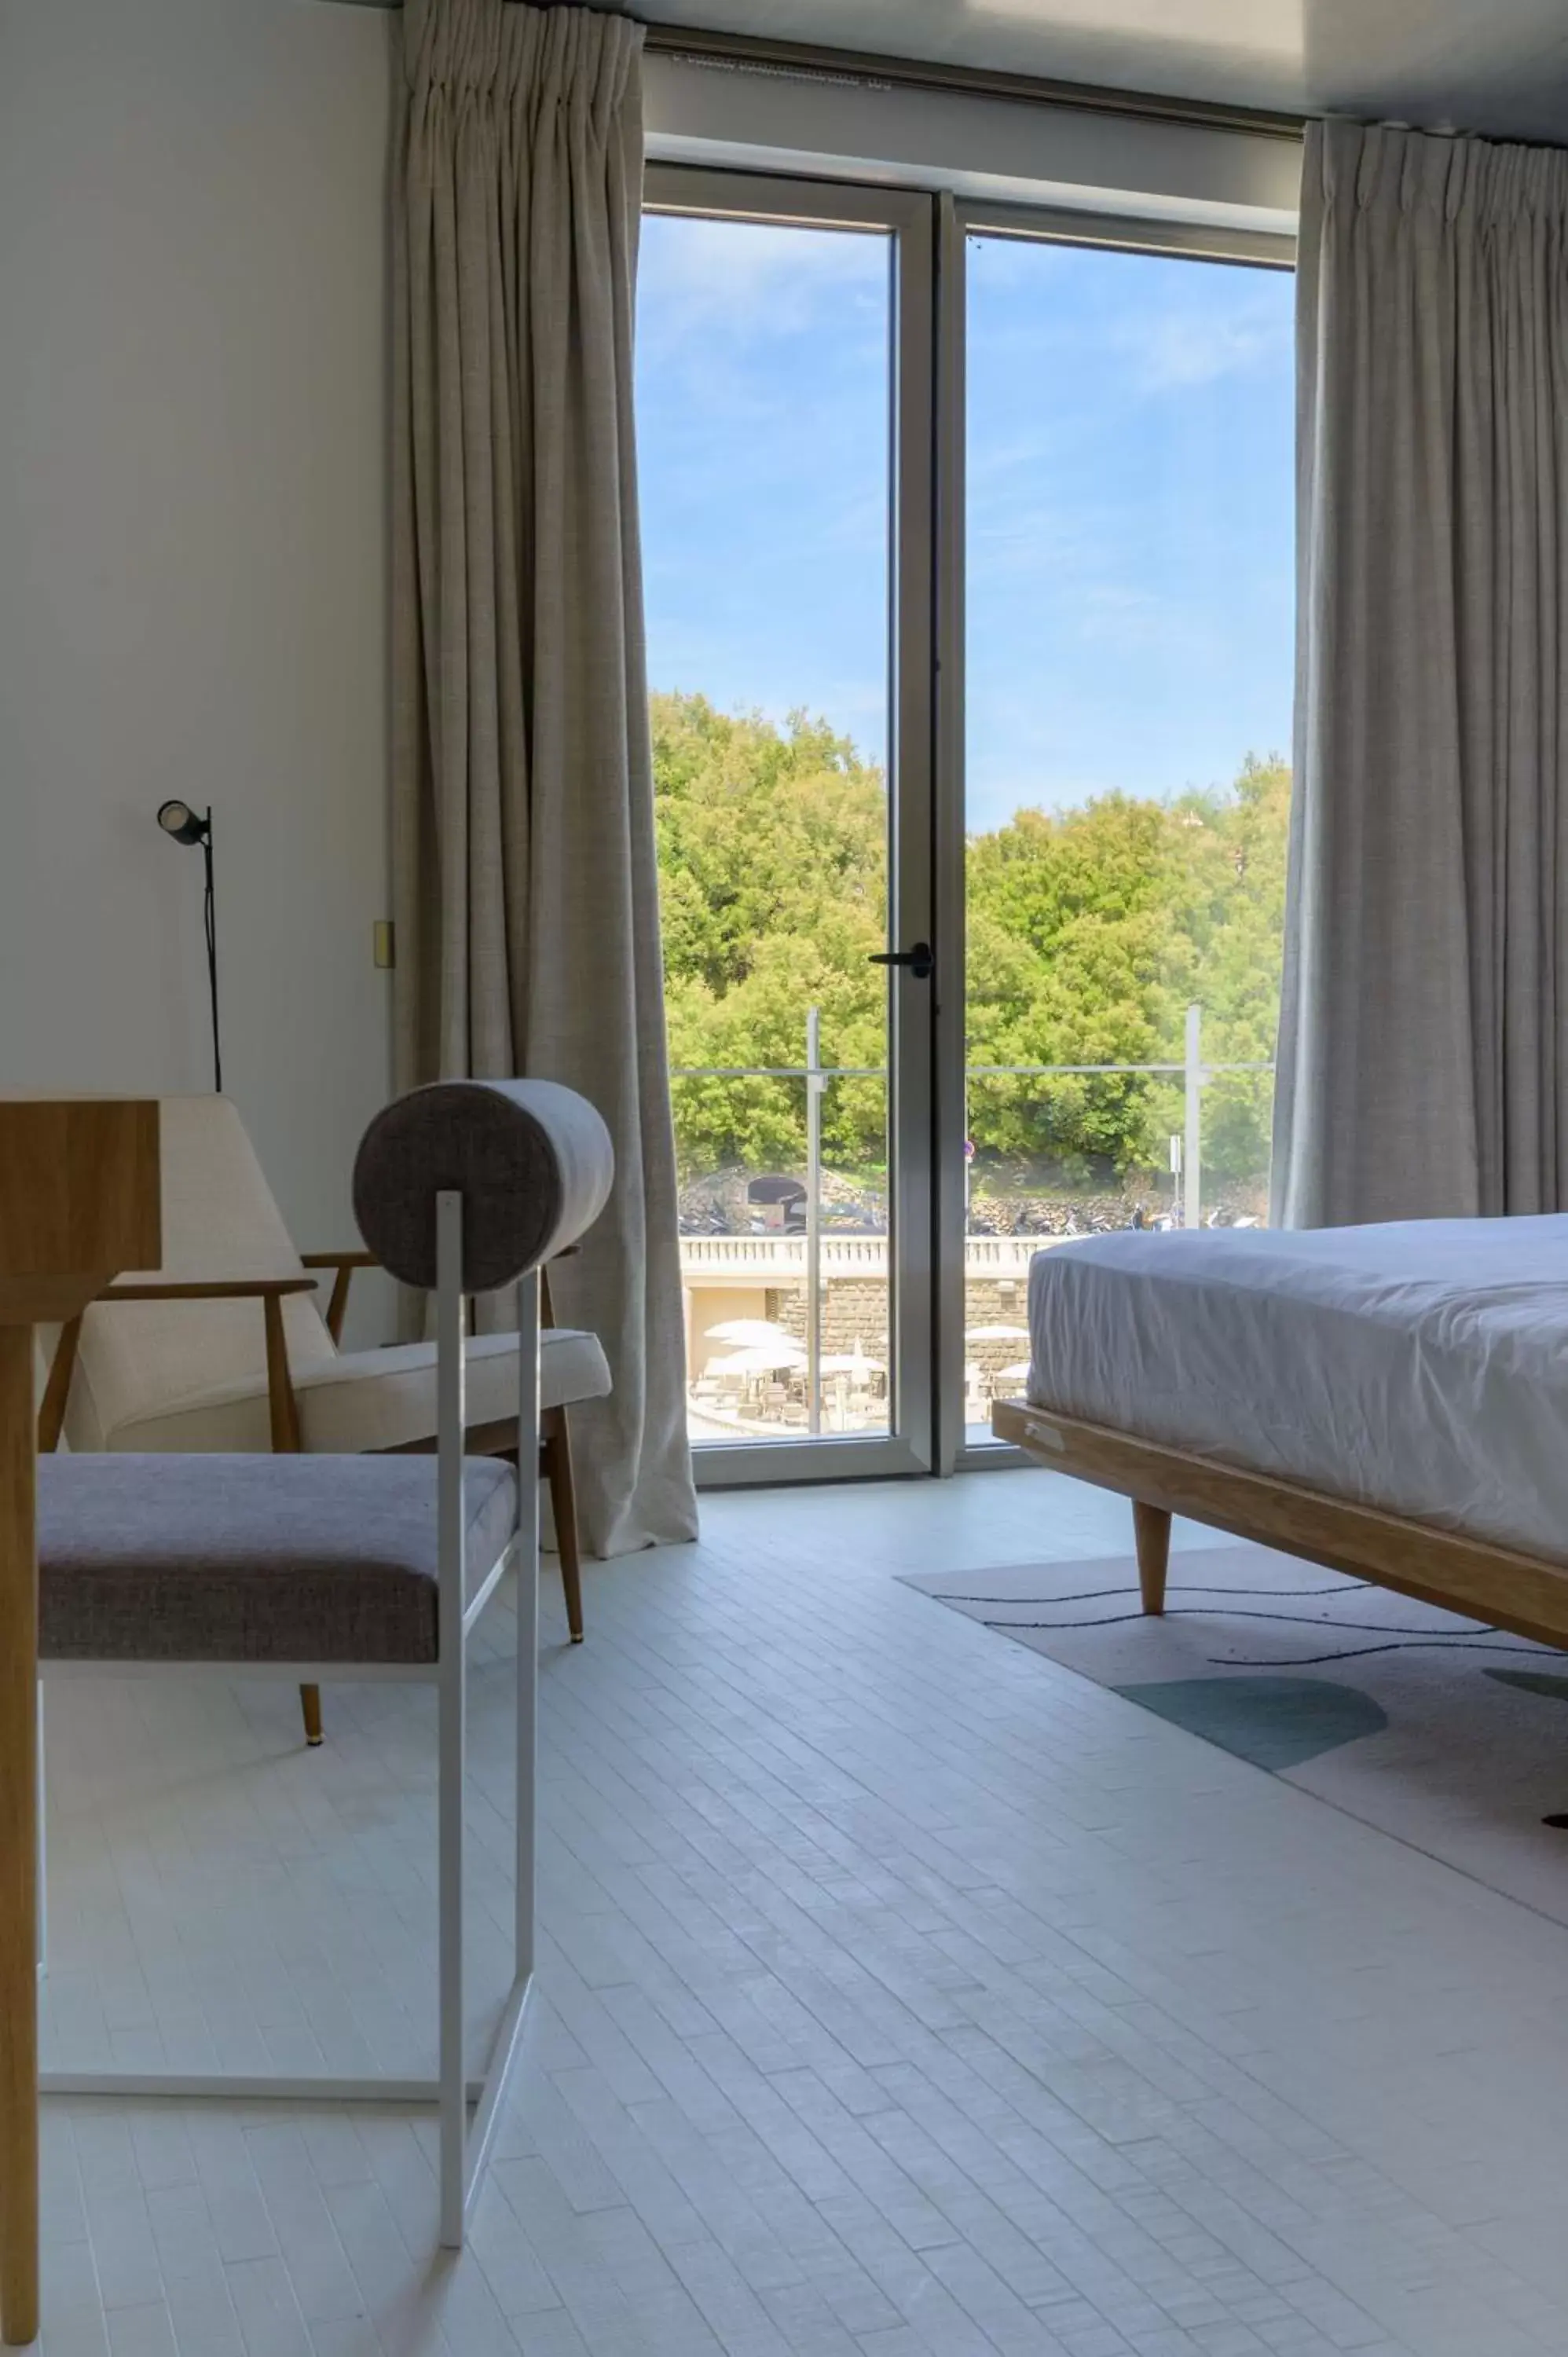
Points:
point(814, 1087)
point(1192, 1142)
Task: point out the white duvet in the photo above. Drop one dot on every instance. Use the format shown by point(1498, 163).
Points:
point(1421, 1367)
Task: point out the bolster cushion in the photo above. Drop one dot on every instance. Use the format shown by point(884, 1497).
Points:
point(532, 1161)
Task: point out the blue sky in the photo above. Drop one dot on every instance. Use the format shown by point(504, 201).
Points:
point(1129, 493)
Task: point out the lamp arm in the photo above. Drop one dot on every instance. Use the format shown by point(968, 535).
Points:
point(210, 924)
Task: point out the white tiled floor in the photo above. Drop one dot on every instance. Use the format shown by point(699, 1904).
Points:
point(905, 1998)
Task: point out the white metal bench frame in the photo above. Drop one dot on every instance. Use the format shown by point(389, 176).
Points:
point(464, 2144)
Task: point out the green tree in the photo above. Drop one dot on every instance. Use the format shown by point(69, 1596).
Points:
point(1089, 930)
point(773, 866)
point(1128, 910)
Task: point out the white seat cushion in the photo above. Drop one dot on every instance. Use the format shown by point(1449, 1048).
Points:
point(371, 1399)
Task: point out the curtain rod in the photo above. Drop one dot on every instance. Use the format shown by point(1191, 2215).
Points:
point(757, 53)
point(800, 60)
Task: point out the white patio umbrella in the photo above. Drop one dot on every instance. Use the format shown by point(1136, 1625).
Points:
point(1014, 1374)
point(996, 1334)
point(751, 1334)
point(762, 1358)
point(852, 1362)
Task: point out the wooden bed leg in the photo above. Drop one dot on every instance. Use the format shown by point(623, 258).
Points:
point(1152, 1536)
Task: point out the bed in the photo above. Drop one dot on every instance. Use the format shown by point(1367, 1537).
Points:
point(1390, 1401)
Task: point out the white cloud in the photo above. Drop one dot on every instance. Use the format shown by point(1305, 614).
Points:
point(1179, 349)
point(740, 278)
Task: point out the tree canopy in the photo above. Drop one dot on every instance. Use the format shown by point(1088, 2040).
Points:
point(1089, 930)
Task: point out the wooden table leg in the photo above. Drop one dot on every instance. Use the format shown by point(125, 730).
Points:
point(18, 1846)
point(79, 1202)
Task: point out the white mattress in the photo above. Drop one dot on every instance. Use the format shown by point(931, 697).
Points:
point(1420, 1367)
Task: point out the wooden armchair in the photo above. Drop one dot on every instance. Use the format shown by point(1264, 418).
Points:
point(174, 1359)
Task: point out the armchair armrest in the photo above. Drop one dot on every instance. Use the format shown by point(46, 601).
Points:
point(345, 1264)
point(270, 1291)
point(238, 1289)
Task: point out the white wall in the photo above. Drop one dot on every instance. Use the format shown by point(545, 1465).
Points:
point(193, 371)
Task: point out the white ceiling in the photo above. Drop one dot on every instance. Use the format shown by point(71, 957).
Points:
point(1496, 66)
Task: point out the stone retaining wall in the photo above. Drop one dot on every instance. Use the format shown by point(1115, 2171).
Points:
point(855, 1310)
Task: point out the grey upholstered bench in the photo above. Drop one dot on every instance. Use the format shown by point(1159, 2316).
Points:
point(255, 1562)
point(309, 1568)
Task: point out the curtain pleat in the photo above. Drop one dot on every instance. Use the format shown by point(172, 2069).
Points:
point(1423, 1060)
point(525, 884)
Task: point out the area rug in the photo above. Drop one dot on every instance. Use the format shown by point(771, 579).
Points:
point(1447, 1733)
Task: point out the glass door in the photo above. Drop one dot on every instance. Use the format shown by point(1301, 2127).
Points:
point(1118, 427)
point(969, 569)
point(784, 423)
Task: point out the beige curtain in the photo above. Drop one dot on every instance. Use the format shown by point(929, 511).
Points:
point(1423, 1044)
point(525, 887)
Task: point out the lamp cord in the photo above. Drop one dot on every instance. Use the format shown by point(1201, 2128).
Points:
point(209, 922)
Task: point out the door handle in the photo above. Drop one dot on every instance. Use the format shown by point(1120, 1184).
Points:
point(921, 960)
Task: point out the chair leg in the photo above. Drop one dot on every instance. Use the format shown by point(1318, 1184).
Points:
point(283, 1410)
point(555, 1464)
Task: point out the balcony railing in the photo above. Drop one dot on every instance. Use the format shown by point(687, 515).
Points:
point(828, 1376)
point(1185, 1146)
point(772, 1258)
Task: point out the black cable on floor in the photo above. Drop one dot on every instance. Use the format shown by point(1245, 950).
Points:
point(1176, 1587)
point(1209, 1613)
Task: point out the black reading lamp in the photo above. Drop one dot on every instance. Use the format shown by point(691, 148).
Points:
point(182, 825)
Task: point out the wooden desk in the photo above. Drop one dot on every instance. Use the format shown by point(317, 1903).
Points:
point(79, 1203)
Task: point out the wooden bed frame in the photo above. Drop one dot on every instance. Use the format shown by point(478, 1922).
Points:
point(1522, 1593)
